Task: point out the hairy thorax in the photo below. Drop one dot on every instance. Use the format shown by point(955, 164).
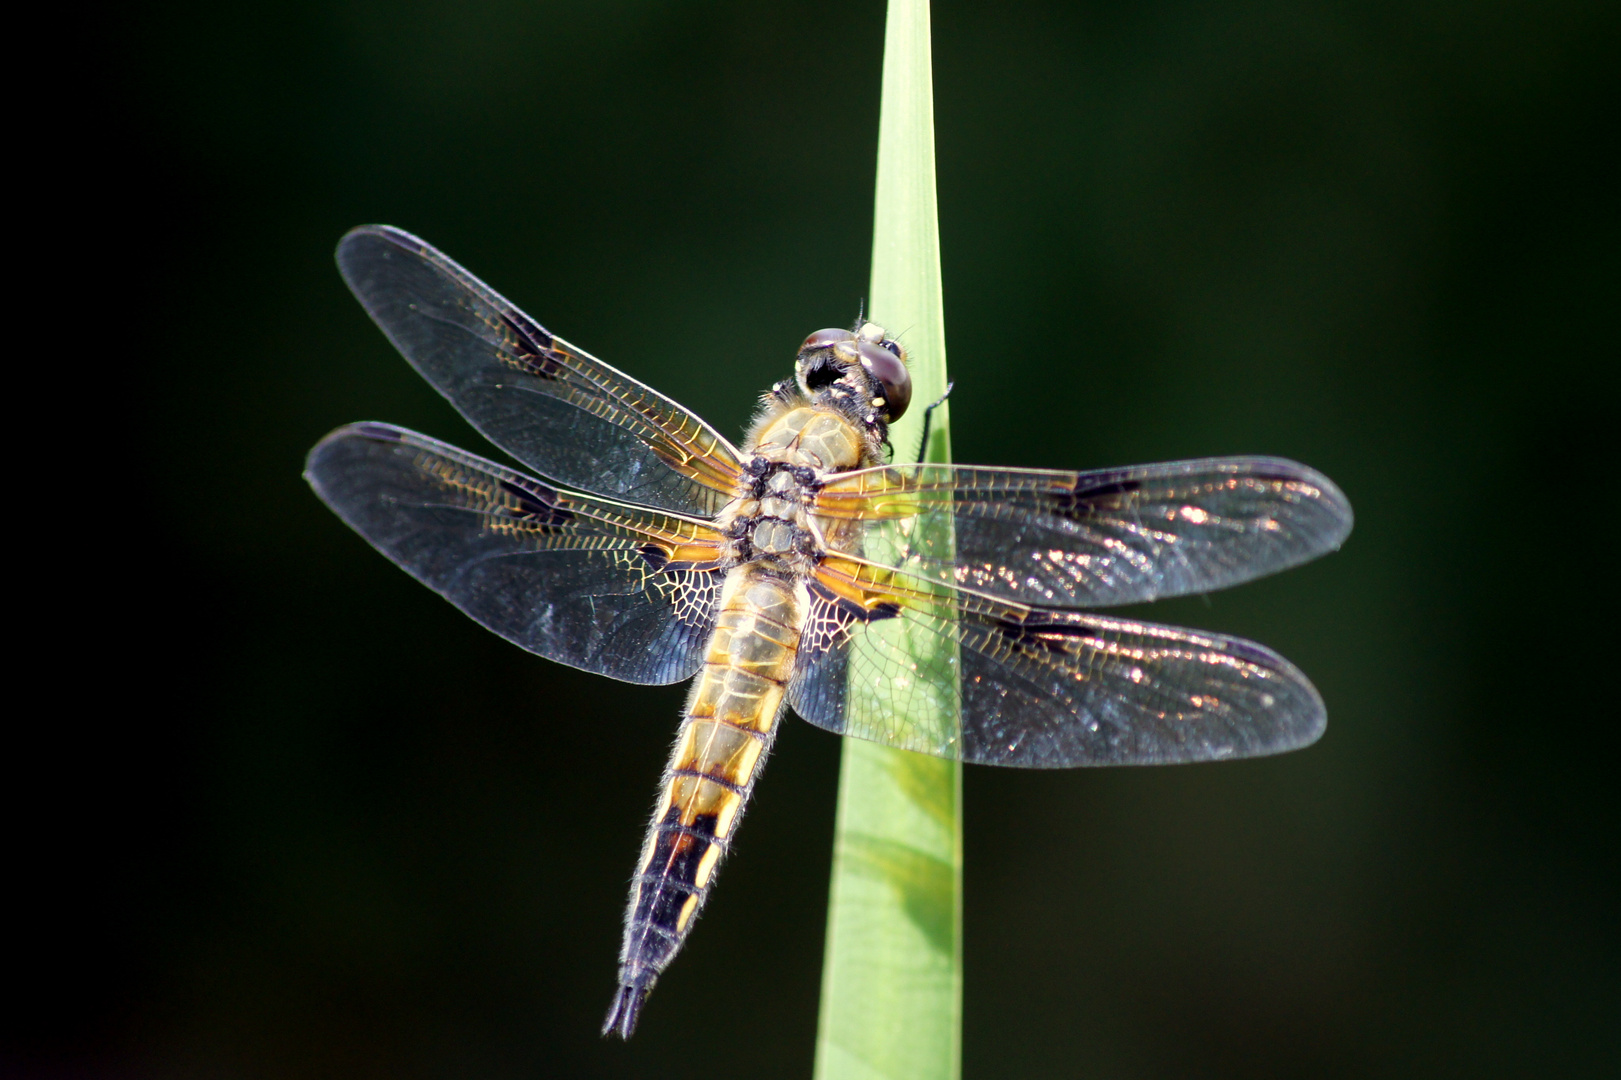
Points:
point(791, 447)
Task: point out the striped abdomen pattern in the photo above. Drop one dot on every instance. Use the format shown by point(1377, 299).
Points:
point(729, 726)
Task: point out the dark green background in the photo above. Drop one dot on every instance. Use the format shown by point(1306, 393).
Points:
point(301, 818)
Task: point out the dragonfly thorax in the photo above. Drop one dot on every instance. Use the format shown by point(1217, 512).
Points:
point(768, 521)
point(806, 436)
point(771, 536)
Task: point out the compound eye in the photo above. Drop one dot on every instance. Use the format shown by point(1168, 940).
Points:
point(824, 338)
point(889, 369)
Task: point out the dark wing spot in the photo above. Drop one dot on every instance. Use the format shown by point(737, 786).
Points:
point(1081, 502)
point(656, 557)
point(1112, 487)
point(1047, 635)
point(1107, 493)
point(535, 502)
point(821, 592)
point(533, 346)
point(847, 611)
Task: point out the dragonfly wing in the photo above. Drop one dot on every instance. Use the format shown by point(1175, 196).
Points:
point(948, 673)
point(1091, 539)
point(552, 406)
point(620, 590)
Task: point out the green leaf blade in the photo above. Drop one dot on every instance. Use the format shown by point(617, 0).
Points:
point(891, 1004)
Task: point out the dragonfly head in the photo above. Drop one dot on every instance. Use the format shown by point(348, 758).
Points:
point(864, 366)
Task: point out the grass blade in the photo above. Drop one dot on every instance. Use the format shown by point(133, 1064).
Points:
point(892, 976)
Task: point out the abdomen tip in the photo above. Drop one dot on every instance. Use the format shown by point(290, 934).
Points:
point(625, 1011)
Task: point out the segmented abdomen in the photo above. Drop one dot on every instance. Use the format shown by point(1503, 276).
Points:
point(730, 723)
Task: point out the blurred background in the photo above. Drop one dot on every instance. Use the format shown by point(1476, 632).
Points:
point(291, 815)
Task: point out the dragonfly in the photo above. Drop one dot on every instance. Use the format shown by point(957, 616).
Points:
point(943, 609)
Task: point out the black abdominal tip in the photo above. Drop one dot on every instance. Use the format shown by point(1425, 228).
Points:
point(624, 1012)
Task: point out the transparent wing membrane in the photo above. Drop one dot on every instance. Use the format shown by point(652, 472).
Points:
point(552, 406)
point(1039, 688)
point(615, 589)
point(1090, 539)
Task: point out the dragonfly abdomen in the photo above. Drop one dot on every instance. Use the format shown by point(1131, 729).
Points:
point(729, 726)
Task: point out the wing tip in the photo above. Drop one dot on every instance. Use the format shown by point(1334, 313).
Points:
point(362, 241)
point(1338, 509)
point(1303, 725)
point(1308, 733)
point(375, 430)
point(388, 233)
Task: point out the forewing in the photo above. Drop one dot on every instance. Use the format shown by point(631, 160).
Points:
point(1090, 539)
point(552, 406)
point(615, 589)
point(880, 659)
